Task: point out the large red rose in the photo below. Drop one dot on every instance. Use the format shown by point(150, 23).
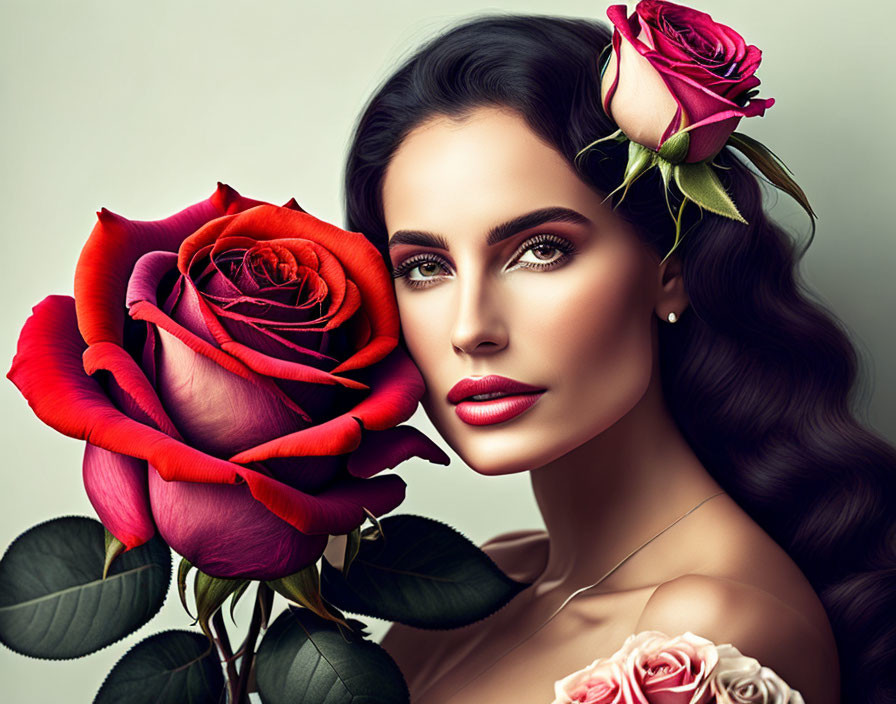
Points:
point(674, 68)
point(235, 371)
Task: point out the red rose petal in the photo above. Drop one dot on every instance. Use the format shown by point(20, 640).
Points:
point(47, 370)
point(226, 532)
point(104, 267)
point(131, 379)
point(385, 449)
point(333, 437)
point(217, 412)
point(335, 510)
point(117, 488)
point(115, 245)
point(396, 389)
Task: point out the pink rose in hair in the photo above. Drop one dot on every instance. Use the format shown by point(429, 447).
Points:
point(674, 68)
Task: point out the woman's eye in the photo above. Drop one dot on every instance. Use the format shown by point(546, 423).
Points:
point(425, 269)
point(541, 252)
point(545, 251)
point(419, 271)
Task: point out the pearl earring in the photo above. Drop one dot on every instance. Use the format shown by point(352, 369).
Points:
point(672, 317)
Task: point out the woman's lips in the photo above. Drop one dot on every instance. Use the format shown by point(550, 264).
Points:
point(490, 384)
point(495, 410)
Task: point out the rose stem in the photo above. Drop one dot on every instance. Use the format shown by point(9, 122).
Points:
point(263, 601)
point(226, 653)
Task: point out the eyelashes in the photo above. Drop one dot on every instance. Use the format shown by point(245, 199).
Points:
point(541, 242)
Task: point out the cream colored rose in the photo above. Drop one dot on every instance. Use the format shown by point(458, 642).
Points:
point(642, 105)
point(742, 680)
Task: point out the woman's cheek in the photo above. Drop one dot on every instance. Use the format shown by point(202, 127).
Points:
point(603, 342)
point(426, 321)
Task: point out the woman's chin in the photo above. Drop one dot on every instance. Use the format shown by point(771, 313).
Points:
point(494, 461)
point(491, 469)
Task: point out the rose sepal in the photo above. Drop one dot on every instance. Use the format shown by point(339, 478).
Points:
point(114, 548)
point(697, 182)
point(183, 569)
point(236, 596)
point(303, 588)
point(210, 594)
point(617, 136)
point(675, 149)
point(771, 166)
point(640, 159)
point(374, 532)
point(352, 546)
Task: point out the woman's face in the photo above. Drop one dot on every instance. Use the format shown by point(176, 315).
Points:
point(510, 265)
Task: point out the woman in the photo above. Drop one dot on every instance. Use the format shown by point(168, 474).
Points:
point(734, 418)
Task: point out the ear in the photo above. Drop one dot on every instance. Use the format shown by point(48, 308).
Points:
point(671, 294)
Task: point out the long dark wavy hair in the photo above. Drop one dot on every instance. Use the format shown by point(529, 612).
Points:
point(759, 376)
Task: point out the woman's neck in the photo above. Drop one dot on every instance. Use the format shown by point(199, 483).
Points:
point(609, 496)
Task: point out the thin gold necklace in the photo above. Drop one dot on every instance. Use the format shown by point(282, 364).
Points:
point(582, 589)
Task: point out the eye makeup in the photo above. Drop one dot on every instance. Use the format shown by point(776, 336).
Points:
point(540, 241)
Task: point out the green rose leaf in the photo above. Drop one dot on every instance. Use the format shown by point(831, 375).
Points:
point(699, 183)
point(54, 602)
point(422, 573)
point(172, 667)
point(304, 658)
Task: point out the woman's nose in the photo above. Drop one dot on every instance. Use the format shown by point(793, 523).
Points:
point(479, 326)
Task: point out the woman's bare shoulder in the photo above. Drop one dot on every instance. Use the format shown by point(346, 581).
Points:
point(758, 623)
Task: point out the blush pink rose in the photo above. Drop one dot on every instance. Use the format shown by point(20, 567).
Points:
point(658, 669)
point(673, 67)
point(599, 683)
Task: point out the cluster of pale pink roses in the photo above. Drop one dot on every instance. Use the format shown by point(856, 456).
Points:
point(653, 668)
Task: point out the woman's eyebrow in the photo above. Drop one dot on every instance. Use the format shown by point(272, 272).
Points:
point(496, 234)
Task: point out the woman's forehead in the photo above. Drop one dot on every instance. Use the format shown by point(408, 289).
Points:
point(487, 167)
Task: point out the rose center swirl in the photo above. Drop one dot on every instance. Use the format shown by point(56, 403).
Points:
point(272, 262)
point(708, 51)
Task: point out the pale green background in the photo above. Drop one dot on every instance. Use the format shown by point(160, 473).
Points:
point(143, 107)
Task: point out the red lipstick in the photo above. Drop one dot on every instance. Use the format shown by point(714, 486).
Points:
point(508, 399)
